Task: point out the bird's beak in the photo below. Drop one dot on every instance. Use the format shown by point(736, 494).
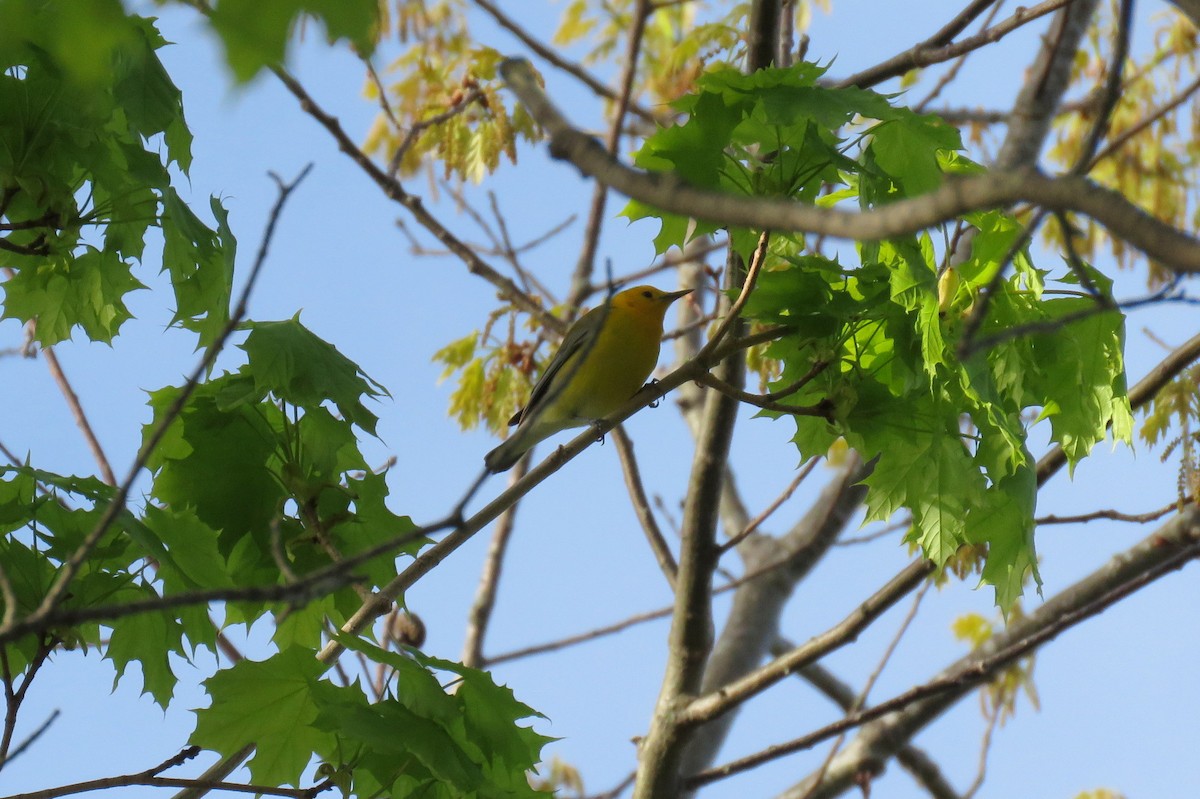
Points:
point(670, 297)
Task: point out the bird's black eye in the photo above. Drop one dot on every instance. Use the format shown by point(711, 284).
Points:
point(648, 294)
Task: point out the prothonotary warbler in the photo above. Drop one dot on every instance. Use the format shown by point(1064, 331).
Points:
point(603, 360)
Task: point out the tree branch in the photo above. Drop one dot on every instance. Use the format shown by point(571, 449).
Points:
point(753, 622)
point(550, 56)
point(641, 506)
point(956, 196)
point(900, 718)
point(938, 48)
point(489, 581)
point(582, 278)
point(715, 704)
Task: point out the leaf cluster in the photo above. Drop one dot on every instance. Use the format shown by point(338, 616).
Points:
point(420, 739)
point(82, 179)
point(442, 98)
point(256, 476)
point(881, 340)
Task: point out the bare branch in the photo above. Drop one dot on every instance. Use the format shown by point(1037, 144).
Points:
point(394, 191)
point(1111, 91)
point(1117, 516)
point(550, 56)
point(641, 506)
point(914, 760)
point(624, 624)
point(489, 581)
point(81, 419)
point(899, 719)
point(757, 521)
point(938, 48)
point(713, 705)
point(582, 277)
point(956, 196)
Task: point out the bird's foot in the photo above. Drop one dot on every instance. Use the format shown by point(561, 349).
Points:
point(652, 385)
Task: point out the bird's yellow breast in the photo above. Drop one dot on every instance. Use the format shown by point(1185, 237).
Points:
point(601, 377)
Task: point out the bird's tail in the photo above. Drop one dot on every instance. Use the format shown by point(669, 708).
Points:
point(505, 456)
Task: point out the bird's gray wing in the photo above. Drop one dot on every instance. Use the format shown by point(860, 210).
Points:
point(579, 338)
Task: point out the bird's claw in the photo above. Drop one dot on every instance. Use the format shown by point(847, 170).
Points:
point(652, 384)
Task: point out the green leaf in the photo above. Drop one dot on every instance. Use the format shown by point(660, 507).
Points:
point(200, 263)
point(270, 704)
point(922, 466)
point(1083, 378)
point(1003, 519)
point(87, 291)
point(480, 719)
point(369, 522)
point(191, 559)
point(146, 638)
point(907, 147)
point(390, 728)
point(221, 465)
point(256, 32)
point(290, 363)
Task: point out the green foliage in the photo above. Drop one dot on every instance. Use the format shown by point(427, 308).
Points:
point(420, 738)
point(247, 445)
point(881, 339)
point(43, 518)
point(1170, 420)
point(87, 109)
point(999, 696)
point(257, 477)
point(256, 33)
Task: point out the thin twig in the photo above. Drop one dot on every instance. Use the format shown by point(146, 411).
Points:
point(861, 700)
point(172, 782)
point(1175, 249)
point(1121, 139)
point(916, 761)
point(932, 51)
point(489, 581)
point(837, 636)
point(394, 191)
point(735, 310)
point(875, 536)
point(985, 746)
point(1111, 91)
point(624, 624)
point(89, 435)
point(1116, 516)
point(641, 506)
point(552, 57)
point(757, 521)
point(581, 279)
point(1148, 561)
point(824, 408)
point(417, 128)
point(952, 73)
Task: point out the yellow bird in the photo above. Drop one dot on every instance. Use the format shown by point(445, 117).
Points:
point(603, 360)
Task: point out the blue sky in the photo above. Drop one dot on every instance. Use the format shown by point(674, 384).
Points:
point(1117, 695)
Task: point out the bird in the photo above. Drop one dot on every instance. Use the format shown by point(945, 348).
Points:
point(603, 360)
